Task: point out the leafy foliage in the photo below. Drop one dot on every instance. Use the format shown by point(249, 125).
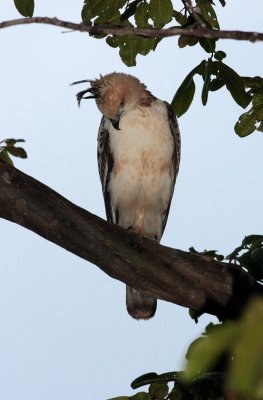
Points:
point(250, 255)
point(240, 345)
point(252, 119)
point(215, 75)
point(25, 7)
point(8, 148)
point(146, 14)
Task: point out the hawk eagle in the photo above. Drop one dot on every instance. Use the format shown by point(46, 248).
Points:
point(138, 158)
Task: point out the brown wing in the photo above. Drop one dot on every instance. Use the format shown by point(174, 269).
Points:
point(175, 132)
point(105, 164)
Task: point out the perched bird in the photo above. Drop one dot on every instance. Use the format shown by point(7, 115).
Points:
point(138, 158)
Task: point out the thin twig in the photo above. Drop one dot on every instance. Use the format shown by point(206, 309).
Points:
point(146, 32)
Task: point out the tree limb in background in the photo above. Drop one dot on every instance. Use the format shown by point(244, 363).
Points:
point(187, 279)
point(146, 32)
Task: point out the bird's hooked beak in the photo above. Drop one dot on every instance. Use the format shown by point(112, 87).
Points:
point(116, 121)
point(81, 95)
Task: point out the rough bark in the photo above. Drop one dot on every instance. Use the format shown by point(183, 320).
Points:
point(183, 278)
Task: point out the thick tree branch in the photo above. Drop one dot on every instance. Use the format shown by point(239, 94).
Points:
point(146, 32)
point(183, 278)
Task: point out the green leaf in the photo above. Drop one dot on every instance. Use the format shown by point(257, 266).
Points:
point(208, 386)
point(129, 48)
point(246, 124)
point(187, 41)
point(184, 96)
point(106, 10)
point(246, 368)
point(16, 151)
point(143, 380)
point(208, 13)
point(25, 7)
point(252, 239)
point(142, 16)
point(158, 391)
point(180, 18)
point(218, 341)
point(10, 142)
point(195, 314)
point(130, 10)
point(113, 41)
point(146, 45)
point(208, 45)
point(5, 157)
point(220, 55)
point(234, 83)
point(216, 84)
point(161, 12)
point(108, 16)
point(141, 396)
point(185, 93)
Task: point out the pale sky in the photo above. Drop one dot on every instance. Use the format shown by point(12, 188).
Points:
point(64, 330)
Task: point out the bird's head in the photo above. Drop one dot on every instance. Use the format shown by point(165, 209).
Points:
point(115, 93)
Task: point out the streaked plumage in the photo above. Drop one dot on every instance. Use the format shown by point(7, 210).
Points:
point(138, 158)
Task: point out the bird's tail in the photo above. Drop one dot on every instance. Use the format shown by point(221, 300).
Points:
point(140, 305)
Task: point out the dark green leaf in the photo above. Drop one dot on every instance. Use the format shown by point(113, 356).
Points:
point(142, 15)
point(108, 16)
point(113, 41)
point(220, 55)
point(187, 41)
point(246, 368)
point(218, 341)
point(216, 84)
point(208, 13)
point(16, 151)
point(106, 10)
point(234, 83)
point(185, 93)
point(130, 10)
point(129, 48)
point(195, 314)
point(180, 18)
point(252, 239)
point(158, 391)
point(10, 142)
point(209, 385)
point(141, 396)
point(161, 12)
point(25, 7)
point(146, 45)
point(246, 124)
point(143, 380)
point(208, 45)
point(152, 377)
point(184, 96)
